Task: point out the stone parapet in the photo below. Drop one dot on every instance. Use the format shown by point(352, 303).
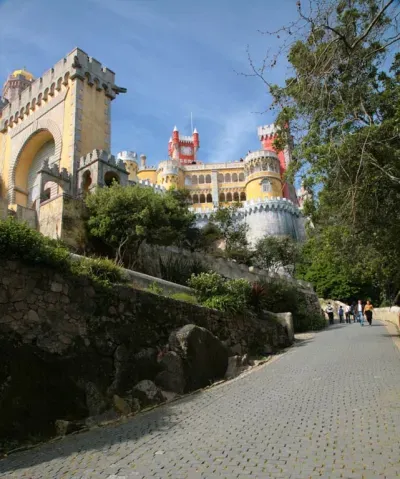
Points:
point(77, 64)
point(103, 156)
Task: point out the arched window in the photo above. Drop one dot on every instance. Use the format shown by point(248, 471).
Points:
point(266, 186)
point(208, 178)
point(236, 196)
point(264, 166)
point(194, 180)
point(241, 176)
point(242, 196)
point(234, 177)
point(201, 179)
point(227, 178)
point(195, 199)
point(222, 197)
point(110, 177)
point(188, 181)
point(202, 198)
point(229, 197)
point(220, 178)
point(209, 198)
point(86, 182)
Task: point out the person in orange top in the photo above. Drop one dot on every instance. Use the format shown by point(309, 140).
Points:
point(368, 312)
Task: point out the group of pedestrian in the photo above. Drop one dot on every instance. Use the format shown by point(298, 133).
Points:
point(355, 312)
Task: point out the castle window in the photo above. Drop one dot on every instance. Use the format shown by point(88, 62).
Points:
point(236, 196)
point(188, 181)
point(242, 196)
point(110, 177)
point(208, 178)
point(194, 180)
point(201, 179)
point(234, 177)
point(86, 182)
point(220, 178)
point(209, 198)
point(241, 176)
point(266, 186)
point(195, 199)
point(222, 197)
point(202, 198)
point(229, 197)
point(227, 178)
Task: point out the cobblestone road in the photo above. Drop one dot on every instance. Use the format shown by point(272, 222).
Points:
point(329, 407)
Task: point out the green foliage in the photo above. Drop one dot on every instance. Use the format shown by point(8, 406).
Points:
point(179, 269)
point(185, 297)
point(234, 233)
point(100, 270)
point(343, 101)
point(274, 252)
point(124, 217)
point(207, 285)
point(155, 288)
point(20, 242)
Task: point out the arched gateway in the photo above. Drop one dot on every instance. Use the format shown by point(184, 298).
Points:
point(46, 126)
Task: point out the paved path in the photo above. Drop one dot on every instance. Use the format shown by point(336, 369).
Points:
point(328, 408)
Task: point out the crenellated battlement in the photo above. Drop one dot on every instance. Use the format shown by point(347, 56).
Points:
point(266, 131)
point(104, 157)
point(77, 64)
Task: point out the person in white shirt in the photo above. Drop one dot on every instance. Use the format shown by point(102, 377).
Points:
point(360, 315)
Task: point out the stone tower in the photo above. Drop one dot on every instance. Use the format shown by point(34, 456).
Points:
point(15, 84)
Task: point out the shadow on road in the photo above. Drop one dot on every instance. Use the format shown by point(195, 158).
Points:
point(130, 430)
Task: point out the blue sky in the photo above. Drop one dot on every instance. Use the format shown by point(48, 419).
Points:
point(174, 57)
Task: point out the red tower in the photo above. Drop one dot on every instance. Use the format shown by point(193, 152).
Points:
point(184, 148)
point(267, 135)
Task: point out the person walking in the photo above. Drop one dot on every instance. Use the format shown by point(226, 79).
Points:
point(329, 312)
point(348, 312)
point(360, 315)
point(341, 314)
point(368, 312)
point(353, 311)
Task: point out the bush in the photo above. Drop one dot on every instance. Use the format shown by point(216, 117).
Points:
point(185, 297)
point(213, 291)
point(155, 288)
point(20, 242)
point(101, 270)
point(207, 285)
point(179, 269)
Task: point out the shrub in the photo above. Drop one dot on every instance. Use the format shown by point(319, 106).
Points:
point(19, 241)
point(185, 297)
point(155, 288)
point(258, 296)
point(101, 270)
point(213, 291)
point(207, 285)
point(179, 269)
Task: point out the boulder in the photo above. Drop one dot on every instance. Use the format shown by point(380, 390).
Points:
point(121, 405)
point(105, 417)
point(147, 393)
point(172, 377)
point(95, 401)
point(204, 356)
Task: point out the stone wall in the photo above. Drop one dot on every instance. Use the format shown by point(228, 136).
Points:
point(67, 345)
point(391, 314)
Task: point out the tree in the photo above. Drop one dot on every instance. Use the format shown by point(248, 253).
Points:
point(276, 252)
point(342, 102)
point(124, 217)
point(233, 232)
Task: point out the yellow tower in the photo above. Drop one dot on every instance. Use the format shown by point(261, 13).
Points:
point(262, 175)
point(55, 120)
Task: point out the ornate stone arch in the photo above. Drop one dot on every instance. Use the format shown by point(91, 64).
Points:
point(22, 140)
